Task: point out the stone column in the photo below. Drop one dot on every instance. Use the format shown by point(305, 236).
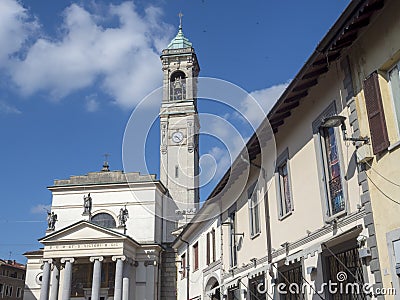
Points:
point(125, 288)
point(55, 281)
point(44, 289)
point(66, 289)
point(96, 281)
point(127, 284)
point(119, 270)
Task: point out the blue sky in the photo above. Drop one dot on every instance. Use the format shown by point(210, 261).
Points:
point(72, 72)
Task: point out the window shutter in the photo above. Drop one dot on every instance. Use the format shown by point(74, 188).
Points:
point(376, 116)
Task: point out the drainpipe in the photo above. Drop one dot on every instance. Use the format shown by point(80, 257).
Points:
point(187, 267)
point(267, 216)
point(267, 219)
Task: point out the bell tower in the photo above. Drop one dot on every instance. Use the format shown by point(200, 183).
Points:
point(179, 123)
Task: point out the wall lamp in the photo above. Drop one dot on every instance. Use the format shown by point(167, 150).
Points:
point(336, 121)
point(231, 224)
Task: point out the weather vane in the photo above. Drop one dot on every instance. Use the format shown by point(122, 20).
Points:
point(180, 15)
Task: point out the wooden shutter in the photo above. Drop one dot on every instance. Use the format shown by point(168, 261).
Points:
point(376, 115)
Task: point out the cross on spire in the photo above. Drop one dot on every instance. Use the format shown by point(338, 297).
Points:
point(180, 15)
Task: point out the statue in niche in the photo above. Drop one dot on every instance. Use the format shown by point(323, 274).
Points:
point(51, 220)
point(87, 205)
point(123, 217)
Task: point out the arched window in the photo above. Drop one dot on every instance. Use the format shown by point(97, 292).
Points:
point(178, 86)
point(104, 220)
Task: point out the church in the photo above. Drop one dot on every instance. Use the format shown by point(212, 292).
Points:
point(109, 232)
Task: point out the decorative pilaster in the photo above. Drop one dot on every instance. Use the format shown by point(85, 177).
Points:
point(66, 292)
point(150, 278)
point(96, 281)
point(44, 289)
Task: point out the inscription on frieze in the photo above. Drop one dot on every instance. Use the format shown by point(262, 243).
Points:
point(85, 246)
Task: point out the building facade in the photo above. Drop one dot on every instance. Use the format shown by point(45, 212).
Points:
point(374, 62)
point(326, 216)
point(12, 279)
point(105, 241)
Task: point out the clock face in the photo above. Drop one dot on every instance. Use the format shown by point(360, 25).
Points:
point(177, 137)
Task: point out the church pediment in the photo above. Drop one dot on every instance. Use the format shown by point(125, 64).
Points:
point(83, 231)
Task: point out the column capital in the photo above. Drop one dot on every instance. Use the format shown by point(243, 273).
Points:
point(150, 263)
point(99, 258)
point(46, 260)
point(118, 257)
point(67, 259)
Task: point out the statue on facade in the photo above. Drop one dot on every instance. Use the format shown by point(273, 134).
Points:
point(87, 205)
point(123, 217)
point(51, 220)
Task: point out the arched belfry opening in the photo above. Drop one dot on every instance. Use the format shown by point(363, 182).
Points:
point(178, 86)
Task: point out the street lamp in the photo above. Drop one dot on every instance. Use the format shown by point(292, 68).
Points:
point(336, 121)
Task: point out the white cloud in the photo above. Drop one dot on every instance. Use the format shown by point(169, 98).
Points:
point(266, 98)
point(40, 208)
point(6, 108)
point(15, 28)
point(92, 105)
point(123, 59)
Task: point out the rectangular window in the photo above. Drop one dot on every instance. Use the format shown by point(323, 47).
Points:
point(394, 80)
point(289, 278)
point(19, 292)
point(213, 251)
point(285, 198)
point(347, 262)
point(10, 291)
point(233, 294)
point(176, 171)
point(283, 185)
point(195, 256)
point(1, 289)
point(333, 178)
point(232, 239)
point(208, 246)
point(183, 260)
point(256, 285)
point(254, 212)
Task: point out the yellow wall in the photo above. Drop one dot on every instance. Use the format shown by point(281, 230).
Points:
point(378, 49)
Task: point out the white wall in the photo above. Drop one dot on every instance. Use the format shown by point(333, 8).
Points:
point(140, 202)
point(198, 278)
